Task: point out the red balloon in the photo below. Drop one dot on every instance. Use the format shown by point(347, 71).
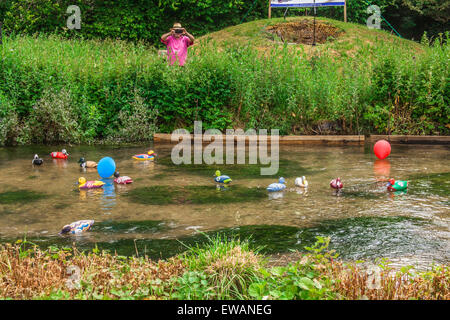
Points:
point(382, 149)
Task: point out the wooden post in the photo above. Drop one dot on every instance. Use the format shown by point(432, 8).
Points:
point(270, 9)
point(345, 11)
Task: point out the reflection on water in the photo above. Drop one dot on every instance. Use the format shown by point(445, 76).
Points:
point(224, 187)
point(276, 195)
point(108, 199)
point(60, 163)
point(382, 169)
point(168, 202)
point(298, 190)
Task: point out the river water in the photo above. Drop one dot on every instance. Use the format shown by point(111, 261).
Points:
point(169, 207)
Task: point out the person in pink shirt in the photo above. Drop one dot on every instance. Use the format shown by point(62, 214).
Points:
point(177, 41)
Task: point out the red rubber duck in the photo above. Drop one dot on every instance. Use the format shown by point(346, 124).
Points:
point(60, 155)
point(336, 184)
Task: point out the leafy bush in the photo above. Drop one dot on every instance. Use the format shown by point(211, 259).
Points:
point(120, 19)
point(411, 91)
point(137, 124)
point(300, 280)
point(52, 120)
point(9, 122)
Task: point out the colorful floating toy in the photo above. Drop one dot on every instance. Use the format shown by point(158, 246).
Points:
point(394, 185)
point(222, 179)
point(83, 184)
point(87, 164)
point(37, 161)
point(122, 180)
point(60, 155)
point(273, 187)
point(106, 167)
point(149, 156)
point(336, 184)
point(77, 227)
point(382, 149)
point(301, 182)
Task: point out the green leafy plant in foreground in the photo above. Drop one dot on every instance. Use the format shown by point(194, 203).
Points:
point(300, 280)
point(228, 269)
point(193, 285)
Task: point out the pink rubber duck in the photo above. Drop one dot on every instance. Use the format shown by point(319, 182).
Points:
point(122, 180)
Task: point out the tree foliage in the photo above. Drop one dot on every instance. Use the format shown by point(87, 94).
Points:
point(438, 10)
point(148, 19)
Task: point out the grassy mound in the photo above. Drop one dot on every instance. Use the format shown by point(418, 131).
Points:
point(336, 37)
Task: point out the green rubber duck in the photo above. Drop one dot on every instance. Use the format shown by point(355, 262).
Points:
point(397, 185)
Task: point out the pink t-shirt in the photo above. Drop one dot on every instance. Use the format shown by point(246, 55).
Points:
point(177, 49)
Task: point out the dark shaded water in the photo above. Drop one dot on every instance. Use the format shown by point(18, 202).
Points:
point(167, 204)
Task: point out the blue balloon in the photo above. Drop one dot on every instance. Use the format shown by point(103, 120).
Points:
point(106, 167)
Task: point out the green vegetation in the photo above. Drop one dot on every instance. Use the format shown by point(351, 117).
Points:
point(20, 196)
point(163, 195)
point(287, 169)
point(111, 226)
point(120, 19)
point(436, 183)
point(220, 269)
point(366, 81)
point(148, 19)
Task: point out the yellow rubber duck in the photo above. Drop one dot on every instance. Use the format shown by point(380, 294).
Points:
point(145, 156)
point(83, 184)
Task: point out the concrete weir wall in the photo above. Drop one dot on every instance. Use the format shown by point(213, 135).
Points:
point(399, 139)
point(319, 139)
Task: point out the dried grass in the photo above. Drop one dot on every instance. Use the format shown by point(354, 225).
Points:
point(236, 260)
point(303, 31)
point(354, 283)
point(40, 273)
